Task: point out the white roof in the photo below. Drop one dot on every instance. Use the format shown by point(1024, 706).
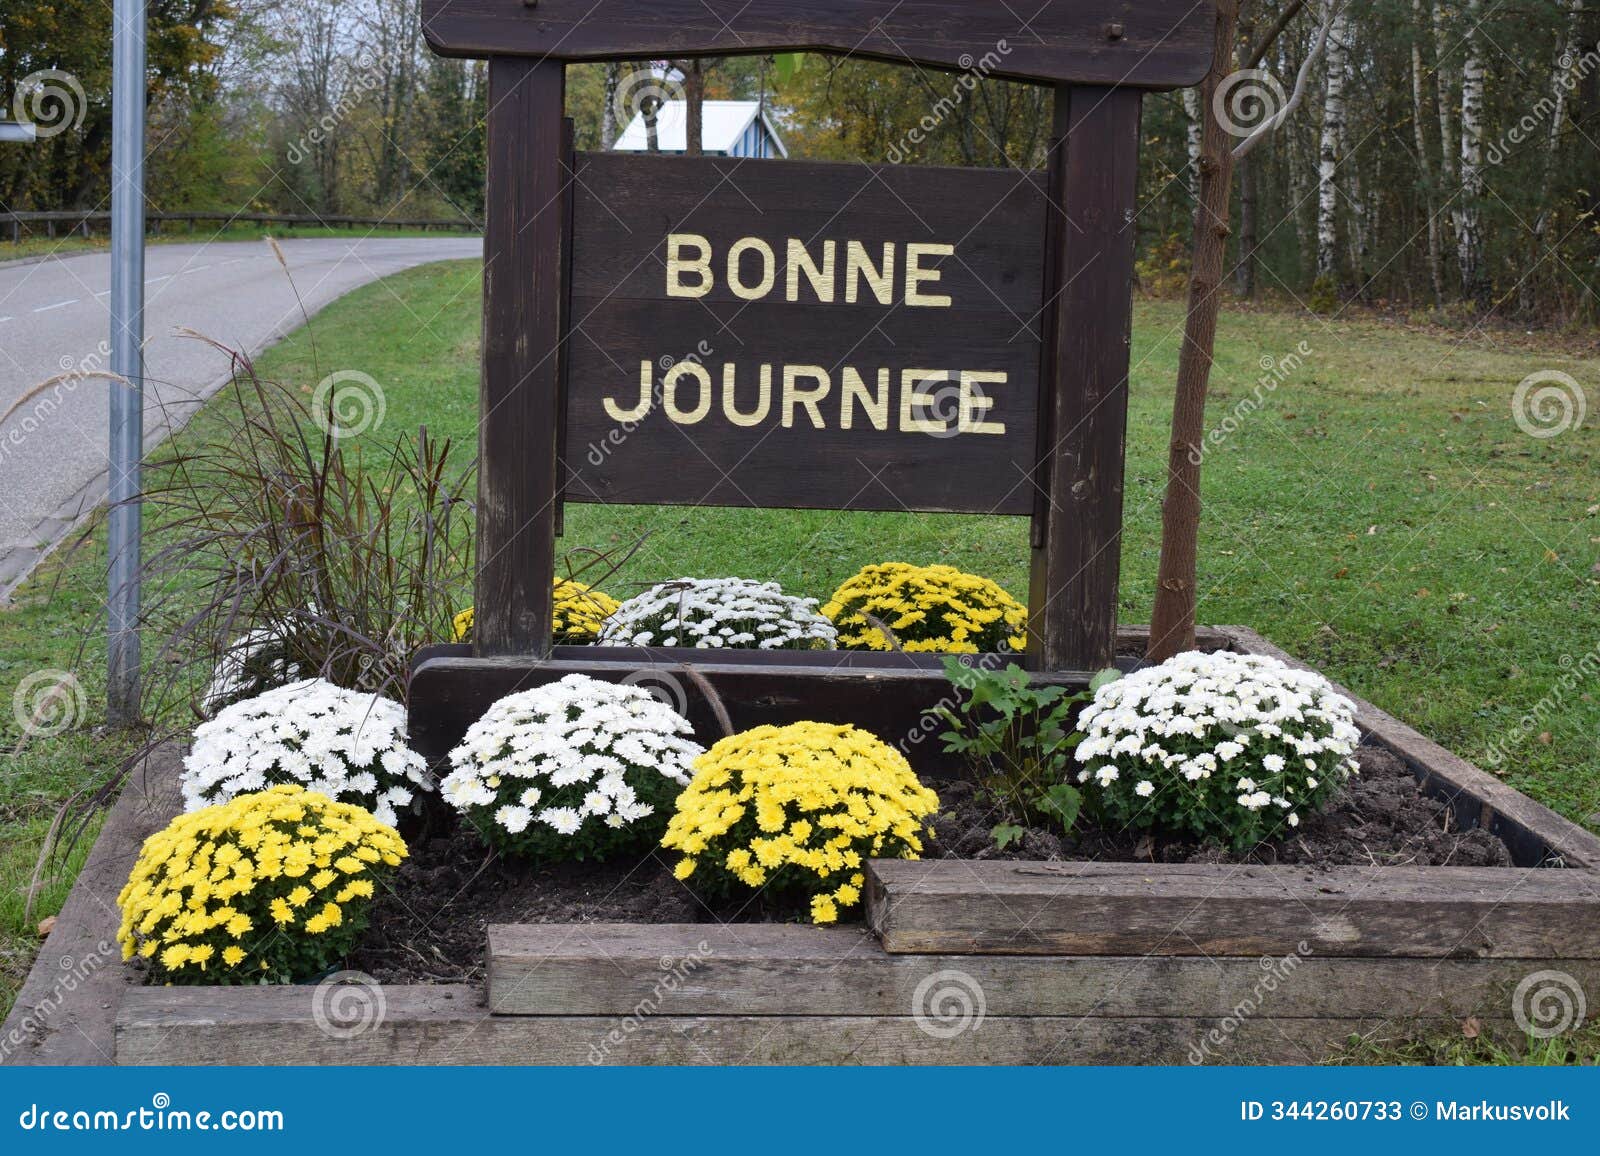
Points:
point(723, 123)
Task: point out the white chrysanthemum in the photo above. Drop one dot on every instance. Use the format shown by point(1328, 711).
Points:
point(1280, 732)
point(252, 663)
point(575, 758)
point(346, 744)
point(707, 613)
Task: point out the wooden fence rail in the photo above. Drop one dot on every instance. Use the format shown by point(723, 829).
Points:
point(72, 220)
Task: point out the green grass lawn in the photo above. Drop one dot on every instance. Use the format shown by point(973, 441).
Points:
point(1381, 515)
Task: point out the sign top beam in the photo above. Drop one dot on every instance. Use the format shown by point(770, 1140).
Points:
point(1136, 43)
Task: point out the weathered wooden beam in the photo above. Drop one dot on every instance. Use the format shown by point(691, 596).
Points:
point(525, 240)
point(1023, 908)
point(786, 969)
point(1152, 44)
point(1078, 482)
point(441, 1025)
point(889, 695)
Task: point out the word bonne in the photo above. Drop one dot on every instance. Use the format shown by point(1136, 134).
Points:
point(910, 399)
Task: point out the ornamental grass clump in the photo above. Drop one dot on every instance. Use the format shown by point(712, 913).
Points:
point(896, 606)
point(707, 613)
point(270, 887)
point(346, 744)
point(795, 811)
point(577, 769)
point(577, 613)
point(1228, 747)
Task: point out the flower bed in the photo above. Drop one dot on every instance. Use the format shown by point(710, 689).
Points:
point(1073, 961)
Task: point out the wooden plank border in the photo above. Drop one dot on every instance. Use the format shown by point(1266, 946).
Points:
point(1170, 909)
point(1533, 831)
point(785, 969)
point(428, 1026)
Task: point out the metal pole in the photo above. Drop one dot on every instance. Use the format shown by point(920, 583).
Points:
point(127, 341)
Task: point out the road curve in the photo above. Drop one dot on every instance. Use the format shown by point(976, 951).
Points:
point(54, 320)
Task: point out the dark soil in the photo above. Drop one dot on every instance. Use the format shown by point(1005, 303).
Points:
point(430, 927)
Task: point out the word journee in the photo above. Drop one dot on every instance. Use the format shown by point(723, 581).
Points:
point(788, 334)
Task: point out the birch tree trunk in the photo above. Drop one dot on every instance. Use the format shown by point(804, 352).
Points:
point(1563, 79)
point(1469, 244)
point(1430, 197)
point(1191, 110)
point(1329, 153)
point(608, 114)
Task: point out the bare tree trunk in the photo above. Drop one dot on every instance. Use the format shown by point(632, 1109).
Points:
point(608, 114)
point(694, 96)
point(1172, 621)
point(1564, 78)
point(1329, 154)
point(1469, 242)
point(1430, 187)
point(1244, 273)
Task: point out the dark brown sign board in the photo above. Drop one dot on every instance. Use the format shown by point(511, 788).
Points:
point(623, 355)
point(832, 336)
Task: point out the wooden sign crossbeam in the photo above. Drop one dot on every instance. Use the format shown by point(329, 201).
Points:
point(1131, 43)
point(770, 333)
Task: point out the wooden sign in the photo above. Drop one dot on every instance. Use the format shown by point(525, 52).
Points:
point(768, 333)
point(829, 336)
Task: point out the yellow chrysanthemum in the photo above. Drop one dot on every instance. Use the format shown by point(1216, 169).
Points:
point(577, 613)
point(926, 609)
point(795, 809)
point(203, 886)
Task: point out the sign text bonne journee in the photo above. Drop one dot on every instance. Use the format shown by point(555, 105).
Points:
point(776, 334)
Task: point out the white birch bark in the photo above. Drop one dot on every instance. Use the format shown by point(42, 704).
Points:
point(1191, 111)
point(1328, 155)
point(1419, 104)
point(1469, 244)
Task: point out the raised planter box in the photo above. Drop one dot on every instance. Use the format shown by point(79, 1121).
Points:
point(959, 962)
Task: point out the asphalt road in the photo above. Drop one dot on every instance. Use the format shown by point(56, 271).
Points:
point(54, 320)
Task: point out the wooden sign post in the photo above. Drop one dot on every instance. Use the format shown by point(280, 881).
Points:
point(720, 331)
